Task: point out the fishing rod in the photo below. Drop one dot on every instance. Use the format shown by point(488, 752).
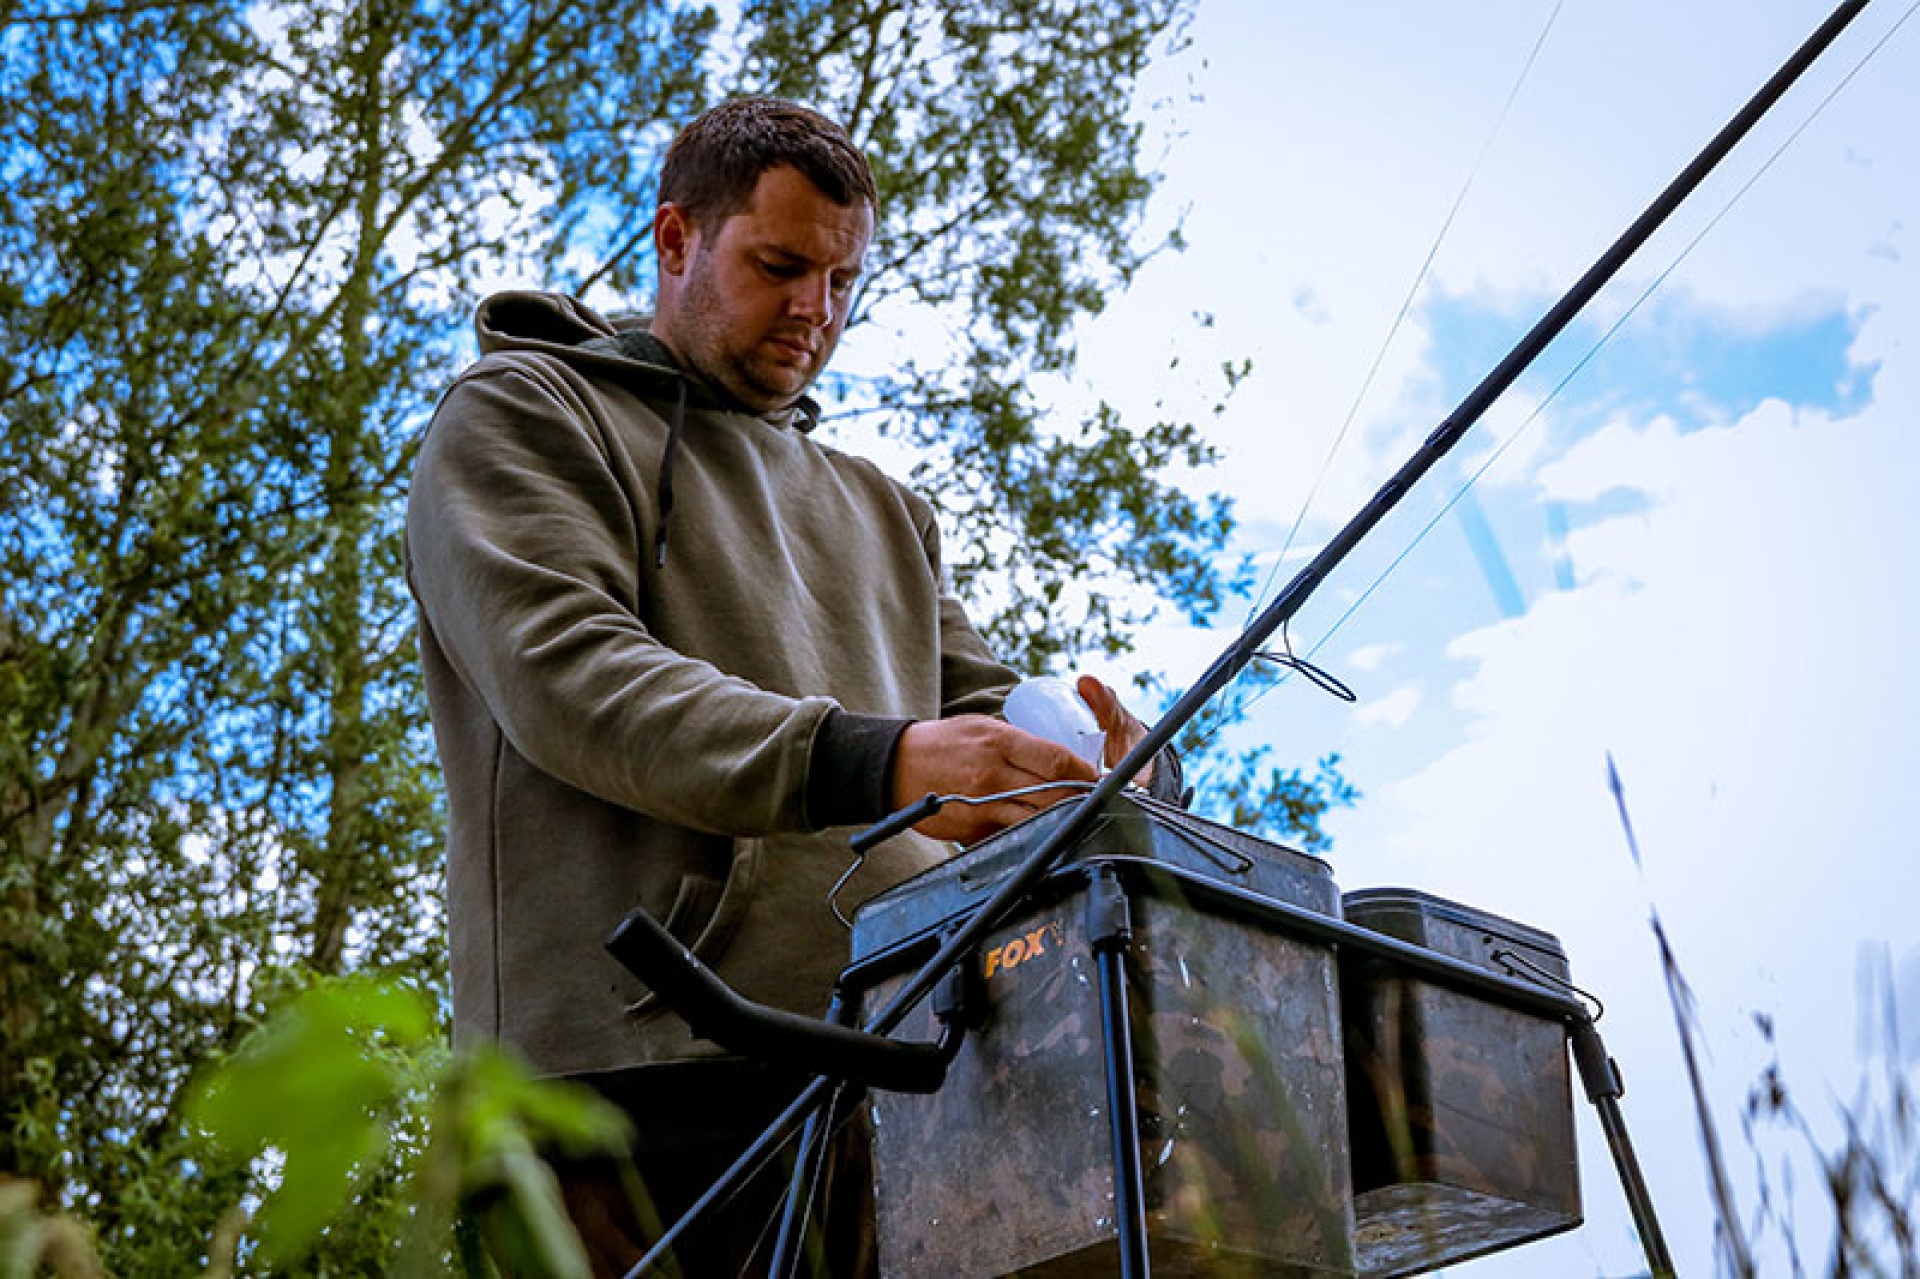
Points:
point(665, 958)
point(1247, 647)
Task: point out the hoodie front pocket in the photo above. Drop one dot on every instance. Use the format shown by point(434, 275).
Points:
point(706, 914)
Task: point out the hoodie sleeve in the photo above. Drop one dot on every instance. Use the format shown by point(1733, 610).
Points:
point(521, 554)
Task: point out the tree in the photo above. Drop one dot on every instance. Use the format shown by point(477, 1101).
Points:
point(1008, 161)
point(233, 243)
point(236, 248)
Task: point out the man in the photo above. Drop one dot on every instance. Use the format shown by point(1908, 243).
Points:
point(675, 648)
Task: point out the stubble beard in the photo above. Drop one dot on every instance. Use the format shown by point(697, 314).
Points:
point(708, 353)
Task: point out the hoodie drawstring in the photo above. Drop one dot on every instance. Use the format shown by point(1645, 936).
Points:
point(640, 345)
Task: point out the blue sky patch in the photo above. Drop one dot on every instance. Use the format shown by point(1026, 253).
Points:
point(1702, 365)
point(1492, 560)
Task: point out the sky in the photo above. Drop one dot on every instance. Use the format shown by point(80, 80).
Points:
point(1693, 557)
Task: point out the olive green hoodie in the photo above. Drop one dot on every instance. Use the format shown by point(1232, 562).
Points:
point(620, 726)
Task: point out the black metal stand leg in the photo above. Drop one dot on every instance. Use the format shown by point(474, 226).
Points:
point(807, 1164)
point(1604, 1089)
point(816, 1096)
point(809, 1159)
point(1110, 929)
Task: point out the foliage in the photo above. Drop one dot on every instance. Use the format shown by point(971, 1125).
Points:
point(1871, 1176)
point(346, 1074)
point(1868, 1200)
point(1246, 790)
point(231, 242)
point(313, 1085)
point(1251, 794)
point(237, 243)
point(330, 1089)
point(1011, 196)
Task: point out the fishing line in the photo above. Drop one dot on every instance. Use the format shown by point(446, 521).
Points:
point(1326, 681)
point(1236, 701)
point(1740, 193)
point(1406, 306)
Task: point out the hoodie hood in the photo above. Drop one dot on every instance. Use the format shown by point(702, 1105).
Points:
point(626, 350)
point(623, 347)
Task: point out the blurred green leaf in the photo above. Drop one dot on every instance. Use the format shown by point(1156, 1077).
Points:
point(314, 1085)
point(505, 1099)
point(33, 1242)
point(529, 1228)
point(492, 1121)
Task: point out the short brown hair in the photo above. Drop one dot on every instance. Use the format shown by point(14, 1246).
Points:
point(713, 166)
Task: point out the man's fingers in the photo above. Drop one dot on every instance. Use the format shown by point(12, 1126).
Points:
point(1036, 760)
point(1102, 701)
point(1114, 718)
point(1122, 729)
point(977, 756)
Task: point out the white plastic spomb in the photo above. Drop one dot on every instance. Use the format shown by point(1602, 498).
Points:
point(1048, 707)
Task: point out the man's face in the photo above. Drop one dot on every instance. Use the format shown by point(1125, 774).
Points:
point(758, 306)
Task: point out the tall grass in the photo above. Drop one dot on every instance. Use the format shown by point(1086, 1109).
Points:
point(1867, 1206)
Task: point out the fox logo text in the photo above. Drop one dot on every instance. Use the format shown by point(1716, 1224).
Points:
point(1011, 954)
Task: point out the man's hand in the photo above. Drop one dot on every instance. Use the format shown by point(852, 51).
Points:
point(1122, 729)
point(980, 755)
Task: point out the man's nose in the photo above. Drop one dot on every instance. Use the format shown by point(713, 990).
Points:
point(812, 299)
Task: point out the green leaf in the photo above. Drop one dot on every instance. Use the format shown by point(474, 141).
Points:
point(314, 1085)
point(570, 1115)
point(533, 1234)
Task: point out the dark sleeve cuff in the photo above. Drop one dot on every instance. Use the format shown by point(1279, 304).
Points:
point(850, 773)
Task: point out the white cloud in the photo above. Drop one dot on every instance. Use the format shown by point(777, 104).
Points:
point(1391, 711)
point(1370, 657)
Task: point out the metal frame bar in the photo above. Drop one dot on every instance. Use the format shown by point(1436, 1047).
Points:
point(1110, 933)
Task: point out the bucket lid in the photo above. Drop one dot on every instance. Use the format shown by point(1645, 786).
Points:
point(1363, 904)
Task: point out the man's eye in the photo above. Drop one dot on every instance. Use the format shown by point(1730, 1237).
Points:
point(843, 284)
point(779, 270)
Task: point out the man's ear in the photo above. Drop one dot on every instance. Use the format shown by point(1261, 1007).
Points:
point(673, 238)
